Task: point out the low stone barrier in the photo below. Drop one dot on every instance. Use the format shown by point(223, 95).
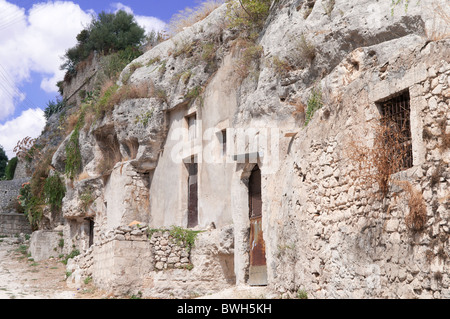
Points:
point(14, 224)
point(125, 262)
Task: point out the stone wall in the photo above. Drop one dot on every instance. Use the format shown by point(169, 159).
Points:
point(14, 224)
point(84, 80)
point(125, 262)
point(169, 253)
point(45, 244)
point(9, 190)
point(211, 268)
point(334, 236)
point(119, 266)
point(117, 261)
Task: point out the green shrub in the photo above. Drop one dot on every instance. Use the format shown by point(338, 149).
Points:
point(86, 199)
point(208, 52)
point(184, 236)
point(105, 102)
point(250, 58)
point(194, 93)
point(73, 254)
point(180, 235)
point(302, 294)
point(144, 118)
point(54, 190)
point(27, 202)
point(34, 212)
point(314, 103)
point(108, 33)
point(248, 16)
point(54, 107)
point(112, 65)
point(34, 195)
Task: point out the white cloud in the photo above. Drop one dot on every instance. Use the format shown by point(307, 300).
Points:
point(151, 23)
point(147, 22)
point(7, 98)
point(35, 41)
point(30, 123)
point(120, 6)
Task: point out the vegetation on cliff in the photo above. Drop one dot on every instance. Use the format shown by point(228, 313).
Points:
point(108, 33)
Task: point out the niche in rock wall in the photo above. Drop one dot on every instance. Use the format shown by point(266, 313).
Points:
point(127, 196)
point(108, 143)
point(130, 148)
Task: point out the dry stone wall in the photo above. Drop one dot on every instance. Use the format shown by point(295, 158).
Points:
point(168, 252)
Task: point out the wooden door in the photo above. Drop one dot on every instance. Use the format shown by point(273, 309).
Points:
point(192, 195)
point(258, 263)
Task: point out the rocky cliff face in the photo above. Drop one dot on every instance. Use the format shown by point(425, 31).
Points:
point(323, 231)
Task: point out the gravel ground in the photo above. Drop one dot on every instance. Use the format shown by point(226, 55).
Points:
point(22, 278)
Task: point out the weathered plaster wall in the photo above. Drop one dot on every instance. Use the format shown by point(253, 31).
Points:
point(166, 190)
point(169, 183)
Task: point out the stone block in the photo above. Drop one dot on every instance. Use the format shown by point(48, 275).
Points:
point(45, 244)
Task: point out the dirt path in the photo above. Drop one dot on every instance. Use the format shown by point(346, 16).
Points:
point(22, 278)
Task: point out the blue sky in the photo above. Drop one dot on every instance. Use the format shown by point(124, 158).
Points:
point(33, 37)
point(156, 8)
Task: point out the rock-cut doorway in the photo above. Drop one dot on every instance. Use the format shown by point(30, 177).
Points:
point(258, 263)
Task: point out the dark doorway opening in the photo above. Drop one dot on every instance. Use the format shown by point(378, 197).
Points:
point(192, 195)
point(91, 232)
